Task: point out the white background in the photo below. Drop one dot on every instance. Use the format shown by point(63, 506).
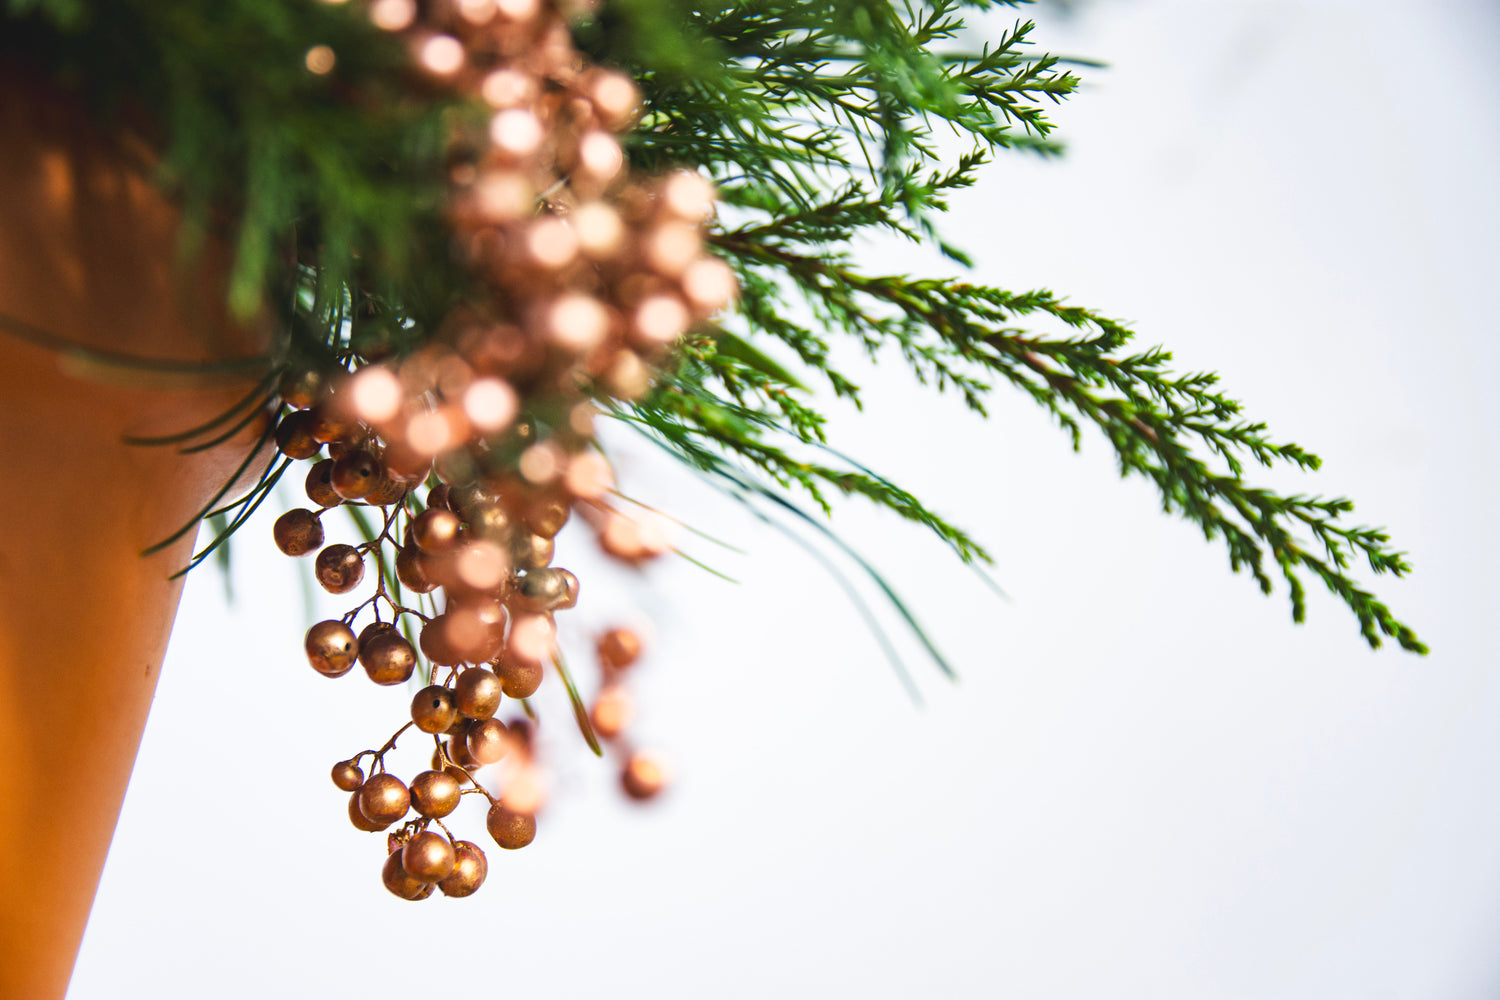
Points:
point(1147, 784)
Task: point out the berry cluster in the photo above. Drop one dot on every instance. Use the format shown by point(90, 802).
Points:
point(583, 277)
point(490, 641)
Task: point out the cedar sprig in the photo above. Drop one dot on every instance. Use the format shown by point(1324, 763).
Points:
point(1156, 422)
point(841, 145)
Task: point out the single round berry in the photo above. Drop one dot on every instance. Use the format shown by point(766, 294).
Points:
point(521, 734)
point(428, 856)
point(386, 492)
point(542, 589)
point(383, 798)
point(433, 709)
point(435, 794)
point(477, 692)
point(464, 499)
point(643, 777)
point(612, 712)
point(347, 775)
point(619, 648)
point(469, 870)
point(373, 629)
point(297, 532)
point(356, 474)
point(360, 820)
point(327, 426)
point(434, 642)
point(458, 752)
point(294, 435)
point(487, 741)
point(465, 635)
point(437, 497)
point(400, 882)
point(546, 516)
point(411, 570)
point(519, 678)
point(511, 830)
point(490, 522)
point(529, 551)
point(340, 568)
point(319, 485)
point(435, 530)
point(330, 648)
point(388, 659)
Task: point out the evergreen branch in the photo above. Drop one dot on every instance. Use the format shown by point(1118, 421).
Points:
point(1153, 420)
point(689, 417)
point(745, 490)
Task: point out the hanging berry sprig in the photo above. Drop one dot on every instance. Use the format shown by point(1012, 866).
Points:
point(583, 276)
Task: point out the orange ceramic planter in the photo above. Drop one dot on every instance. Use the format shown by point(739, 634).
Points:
point(87, 254)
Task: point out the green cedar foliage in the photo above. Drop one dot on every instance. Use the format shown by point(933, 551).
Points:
point(820, 123)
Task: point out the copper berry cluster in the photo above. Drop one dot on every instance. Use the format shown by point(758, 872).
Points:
point(477, 448)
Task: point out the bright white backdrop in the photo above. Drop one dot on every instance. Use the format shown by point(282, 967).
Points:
point(1148, 784)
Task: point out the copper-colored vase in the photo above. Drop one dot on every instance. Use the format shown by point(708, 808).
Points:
point(89, 255)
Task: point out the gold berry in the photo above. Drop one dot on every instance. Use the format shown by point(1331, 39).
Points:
point(511, 830)
point(612, 711)
point(435, 530)
point(294, 435)
point(519, 678)
point(469, 870)
point(643, 777)
point(435, 794)
point(347, 776)
point(388, 658)
point(360, 820)
point(386, 492)
point(477, 692)
point(411, 570)
point(487, 741)
point(340, 568)
point(428, 856)
point(330, 648)
point(319, 485)
point(433, 709)
point(400, 882)
point(619, 648)
point(383, 798)
point(297, 532)
point(356, 474)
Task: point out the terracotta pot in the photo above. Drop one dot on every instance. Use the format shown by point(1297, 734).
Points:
point(88, 253)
